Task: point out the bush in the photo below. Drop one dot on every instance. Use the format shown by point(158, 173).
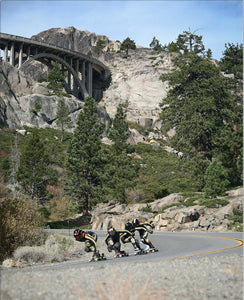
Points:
point(20, 225)
point(213, 203)
point(146, 208)
point(237, 219)
point(216, 180)
point(56, 249)
point(30, 254)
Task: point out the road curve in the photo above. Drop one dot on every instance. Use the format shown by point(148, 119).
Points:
point(189, 265)
point(176, 245)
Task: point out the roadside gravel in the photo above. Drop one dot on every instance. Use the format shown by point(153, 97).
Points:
point(209, 277)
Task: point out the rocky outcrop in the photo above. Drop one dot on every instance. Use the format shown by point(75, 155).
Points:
point(175, 218)
point(135, 78)
point(200, 218)
point(117, 215)
point(76, 40)
point(20, 95)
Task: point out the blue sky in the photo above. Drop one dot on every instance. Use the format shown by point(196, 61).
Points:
point(218, 22)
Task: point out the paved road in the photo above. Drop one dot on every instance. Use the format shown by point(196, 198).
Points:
point(190, 266)
point(174, 245)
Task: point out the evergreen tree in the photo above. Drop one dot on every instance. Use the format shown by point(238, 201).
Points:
point(99, 46)
point(209, 53)
point(197, 105)
point(35, 172)
point(232, 64)
point(63, 118)
point(189, 42)
point(155, 44)
point(122, 168)
point(172, 47)
point(216, 180)
point(119, 132)
point(56, 81)
point(127, 44)
point(84, 158)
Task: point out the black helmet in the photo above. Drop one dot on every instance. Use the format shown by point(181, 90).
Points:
point(128, 226)
point(77, 232)
point(135, 222)
point(110, 229)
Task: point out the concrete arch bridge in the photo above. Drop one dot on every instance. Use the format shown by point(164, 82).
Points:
point(84, 75)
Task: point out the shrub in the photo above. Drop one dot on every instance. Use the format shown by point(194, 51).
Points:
point(56, 249)
point(216, 180)
point(30, 254)
point(20, 225)
point(213, 203)
point(146, 208)
point(237, 219)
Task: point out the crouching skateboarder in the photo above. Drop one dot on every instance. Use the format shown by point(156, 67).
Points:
point(128, 236)
point(90, 240)
point(143, 232)
point(112, 240)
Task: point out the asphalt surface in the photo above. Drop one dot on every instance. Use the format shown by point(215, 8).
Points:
point(189, 265)
point(175, 245)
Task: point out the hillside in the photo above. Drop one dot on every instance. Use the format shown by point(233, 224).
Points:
point(136, 80)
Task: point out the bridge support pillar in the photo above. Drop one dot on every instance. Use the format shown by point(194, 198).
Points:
point(28, 52)
point(20, 55)
point(89, 78)
point(5, 53)
point(83, 71)
point(12, 54)
point(75, 84)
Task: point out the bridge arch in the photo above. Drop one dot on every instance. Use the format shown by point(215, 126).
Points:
point(90, 76)
point(40, 56)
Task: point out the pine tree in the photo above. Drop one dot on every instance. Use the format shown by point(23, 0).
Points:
point(119, 132)
point(232, 64)
point(155, 44)
point(189, 42)
point(127, 44)
point(56, 81)
point(216, 180)
point(84, 158)
point(209, 53)
point(35, 172)
point(197, 105)
point(63, 118)
point(122, 168)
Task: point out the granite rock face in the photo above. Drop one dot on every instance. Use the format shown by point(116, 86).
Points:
point(135, 78)
point(20, 94)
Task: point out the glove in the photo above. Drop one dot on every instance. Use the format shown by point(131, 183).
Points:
point(150, 231)
point(151, 223)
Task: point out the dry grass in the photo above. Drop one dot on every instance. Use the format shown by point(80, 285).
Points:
point(57, 248)
point(29, 255)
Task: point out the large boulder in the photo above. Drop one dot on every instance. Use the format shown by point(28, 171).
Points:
point(112, 214)
point(159, 204)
